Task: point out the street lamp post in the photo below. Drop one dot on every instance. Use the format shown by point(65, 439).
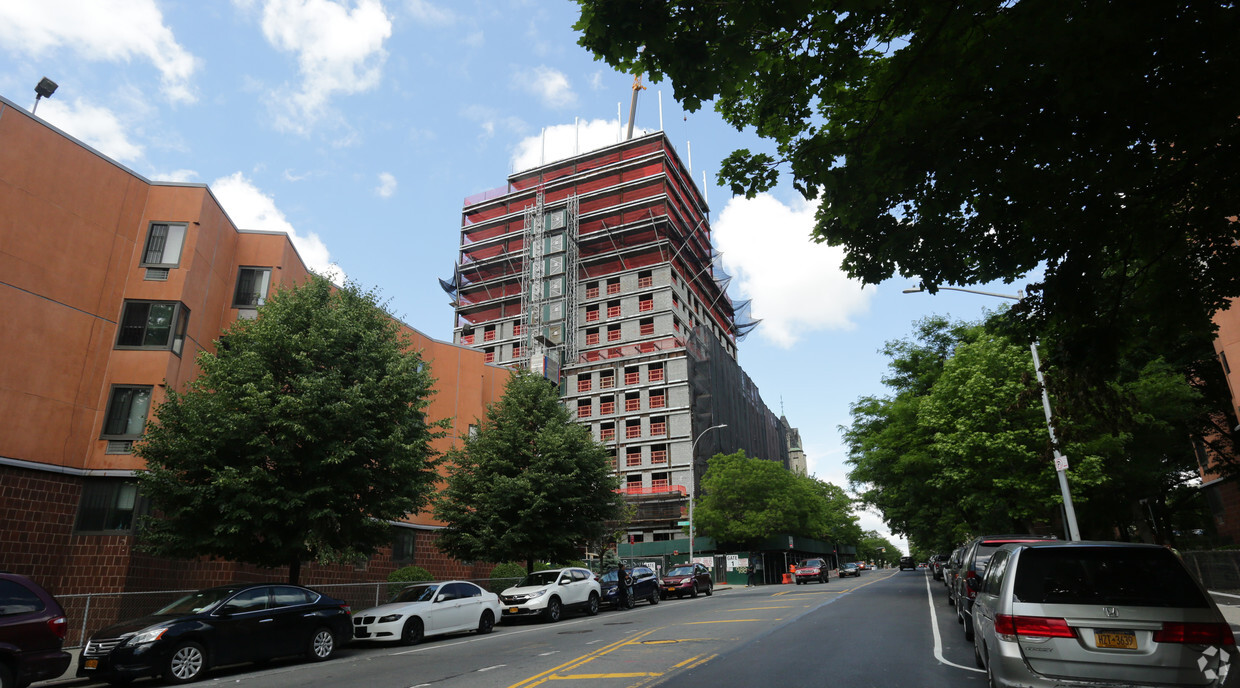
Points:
point(1061, 462)
point(693, 481)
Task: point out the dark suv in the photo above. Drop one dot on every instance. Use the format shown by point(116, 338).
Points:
point(973, 566)
point(907, 563)
point(32, 630)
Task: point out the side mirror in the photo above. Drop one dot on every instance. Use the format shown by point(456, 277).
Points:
point(565, 581)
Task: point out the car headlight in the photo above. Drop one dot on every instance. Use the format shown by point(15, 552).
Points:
point(389, 618)
point(148, 635)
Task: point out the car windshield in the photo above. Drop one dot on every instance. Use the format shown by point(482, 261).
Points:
point(539, 578)
point(1132, 576)
point(198, 602)
point(416, 593)
point(681, 571)
point(850, 566)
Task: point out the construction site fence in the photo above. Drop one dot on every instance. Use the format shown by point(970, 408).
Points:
point(90, 612)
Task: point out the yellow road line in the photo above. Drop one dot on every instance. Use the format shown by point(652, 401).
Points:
point(694, 623)
point(572, 663)
point(750, 609)
point(700, 663)
point(693, 658)
point(574, 677)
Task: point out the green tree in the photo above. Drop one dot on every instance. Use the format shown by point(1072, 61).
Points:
point(876, 548)
point(962, 144)
point(530, 485)
point(304, 433)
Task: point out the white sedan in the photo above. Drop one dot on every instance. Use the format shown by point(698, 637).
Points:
point(429, 609)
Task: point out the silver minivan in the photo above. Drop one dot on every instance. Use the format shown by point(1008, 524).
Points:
point(1096, 613)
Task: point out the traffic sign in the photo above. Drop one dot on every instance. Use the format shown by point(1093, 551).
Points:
point(682, 523)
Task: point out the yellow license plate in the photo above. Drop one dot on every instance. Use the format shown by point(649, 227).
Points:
point(1116, 640)
point(512, 610)
point(92, 664)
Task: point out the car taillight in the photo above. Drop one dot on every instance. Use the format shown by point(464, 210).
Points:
point(968, 591)
point(59, 626)
point(348, 610)
point(1032, 626)
point(1195, 633)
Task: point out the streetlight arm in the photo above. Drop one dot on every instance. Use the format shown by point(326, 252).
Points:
point(693, 480)
point(1013, 297)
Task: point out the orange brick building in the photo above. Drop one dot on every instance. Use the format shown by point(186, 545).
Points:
point(1222, 493)
point(110, 284)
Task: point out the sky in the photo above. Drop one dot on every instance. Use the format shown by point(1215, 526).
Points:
point(359, 126)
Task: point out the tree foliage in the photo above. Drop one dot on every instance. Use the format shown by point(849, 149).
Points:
point(747, 500)
point(966, 143)
point(961, 446)
point(530, 485)
point(304, 433)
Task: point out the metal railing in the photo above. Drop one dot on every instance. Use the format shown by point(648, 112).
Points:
point(90, 612)
point(1217, 570)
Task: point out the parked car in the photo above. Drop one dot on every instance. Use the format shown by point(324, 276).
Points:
point(643, 585)
point(548, 594)
point(1096, 614)
point(937, 563)
point(950, 571)
point(907, 563)
point(217, 626)
point(810, 570)
point(860, 565)
point(849, 569)
point(32, 632)
point(973, 565)
point(428, 609)
point(686, 579)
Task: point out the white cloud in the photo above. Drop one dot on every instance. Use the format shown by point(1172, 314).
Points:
point(179, 176)
point(596, 80)
point(548, 84)
point(490, 120)
point(339, 51)
point(96, 126)
point(796, 285)
point(476, 39)
point(107, 30)
point(564, 141)
point(387, 185)
point(250, 208)
point(427, 13)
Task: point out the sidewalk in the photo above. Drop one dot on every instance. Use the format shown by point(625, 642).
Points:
point(1229, 604)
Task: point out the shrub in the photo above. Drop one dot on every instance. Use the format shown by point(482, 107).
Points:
point(503, 575)
point(410, 574)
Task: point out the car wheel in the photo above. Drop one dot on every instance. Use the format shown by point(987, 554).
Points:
point(186, 663)
point(322, 645)
point(977, 656)
point(655, 597)
point(486, 623)
point(6, 677)
point(592, 604)
point(968, 628)
point(693, 592)
point(553, 611)
point(710, 589)
point(411, 633)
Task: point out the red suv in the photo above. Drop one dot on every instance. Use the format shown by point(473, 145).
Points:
point(32, 631)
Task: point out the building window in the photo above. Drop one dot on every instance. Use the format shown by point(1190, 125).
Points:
point(606, 432)
point(659, 480)
point(645, 279)
point(658, 454)
point(108, 505)
point(488, 335)
point(516, 351)
point(657, 399)
point(646, 327)
point(632, 429)
point(127, 410)
point(591, 313)
point(584, 383)
point(611, 459)
point(607, 405)
point(152, 325)
point(404, 545)
point(607, 379)
point(613, 286)
point(662, 537)
point(675, 301)
point(658, 426)
point(655, 373)
point(592, 336)
point(632, 376)
point(613, 309)
point(633, 483)
point(591, 290)
point(252, 284)
point(632, 402)
point(645, 303)
point(583, 408)
point(163, 246)
point(517, 329)
point(633, 457)
point(613, 333)
point(489, 355)
point(467, 339)
point(636, 537)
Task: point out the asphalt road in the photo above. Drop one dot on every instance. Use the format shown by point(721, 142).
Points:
point(879, 629)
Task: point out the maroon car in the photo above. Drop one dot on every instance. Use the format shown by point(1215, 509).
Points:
point(32, 631)
point(686, 579)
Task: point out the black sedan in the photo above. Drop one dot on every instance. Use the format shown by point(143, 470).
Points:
point(643, 585)
point(218, 626)
point(849, 569)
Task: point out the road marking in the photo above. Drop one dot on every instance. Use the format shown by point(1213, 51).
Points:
point(701, 662)
point(750, 609)
point(695, 623)
point(573, 677)
point(938, 641)
point(691, 659)
point(545, 654)
point(549, 674)
point(497, 666)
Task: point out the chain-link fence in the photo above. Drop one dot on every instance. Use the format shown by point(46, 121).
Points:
point(90, 612)
point(1218, 570)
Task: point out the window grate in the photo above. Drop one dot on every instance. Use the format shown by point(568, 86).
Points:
point(119, 447)
point(157, 274)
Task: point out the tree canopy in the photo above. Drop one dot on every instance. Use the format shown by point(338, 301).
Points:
point(531, 485)
point(746, 500)
point(960, 144)
point(303, 435)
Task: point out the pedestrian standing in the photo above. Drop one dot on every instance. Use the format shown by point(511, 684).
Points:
point(753, 571)
point(624, 598)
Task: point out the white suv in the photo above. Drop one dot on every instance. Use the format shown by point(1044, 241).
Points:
point(549, 593)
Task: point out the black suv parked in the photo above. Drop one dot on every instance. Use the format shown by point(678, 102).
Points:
point(32, 630)
point(907, 563)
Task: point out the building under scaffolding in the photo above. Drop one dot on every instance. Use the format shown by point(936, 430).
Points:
point(598, 272)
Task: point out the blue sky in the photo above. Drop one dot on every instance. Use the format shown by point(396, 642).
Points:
point(359, 126)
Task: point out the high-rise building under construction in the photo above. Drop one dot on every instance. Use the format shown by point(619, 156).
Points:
point(598, 271)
